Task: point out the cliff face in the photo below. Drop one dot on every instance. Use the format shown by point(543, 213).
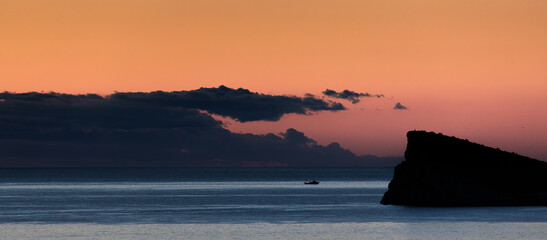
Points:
point(445, 171)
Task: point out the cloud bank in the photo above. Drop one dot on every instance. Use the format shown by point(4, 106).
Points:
point(349, 95)
point(240, 104)
point(160, 129)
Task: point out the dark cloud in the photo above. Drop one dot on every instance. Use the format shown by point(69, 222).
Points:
point(240, 104)
point(158, 129)
point(399, 106)
point(350, 95)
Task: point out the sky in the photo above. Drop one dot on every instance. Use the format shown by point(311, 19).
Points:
point(473, 69)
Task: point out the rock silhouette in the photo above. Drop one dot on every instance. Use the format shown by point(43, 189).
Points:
point(446, 171)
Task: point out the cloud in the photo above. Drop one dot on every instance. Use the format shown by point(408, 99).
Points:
point(296, 137)
point(240, 104)
point(350, 95)
point(399, 106)
point(157, 129)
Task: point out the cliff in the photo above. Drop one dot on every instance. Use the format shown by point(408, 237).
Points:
point(446, 171)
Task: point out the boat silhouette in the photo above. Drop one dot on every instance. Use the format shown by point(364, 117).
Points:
point(311, 182)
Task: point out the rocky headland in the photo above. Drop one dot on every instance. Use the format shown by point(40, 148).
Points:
point(439, 170)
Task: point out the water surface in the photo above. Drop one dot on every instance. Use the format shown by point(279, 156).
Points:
point(240, 203)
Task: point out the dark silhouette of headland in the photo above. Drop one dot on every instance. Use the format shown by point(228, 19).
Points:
point(446, 171)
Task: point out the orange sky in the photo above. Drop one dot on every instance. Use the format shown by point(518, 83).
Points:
point(472, 68)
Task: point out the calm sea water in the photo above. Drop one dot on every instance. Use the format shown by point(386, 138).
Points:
point(236, 203)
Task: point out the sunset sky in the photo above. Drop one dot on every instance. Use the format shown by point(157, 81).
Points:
point(473, 69)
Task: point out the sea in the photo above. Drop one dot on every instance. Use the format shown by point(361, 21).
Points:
point(236, 203)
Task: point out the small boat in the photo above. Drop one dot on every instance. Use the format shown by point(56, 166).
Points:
point(311, 182)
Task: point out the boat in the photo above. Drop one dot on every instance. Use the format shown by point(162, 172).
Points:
point(311, 182)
